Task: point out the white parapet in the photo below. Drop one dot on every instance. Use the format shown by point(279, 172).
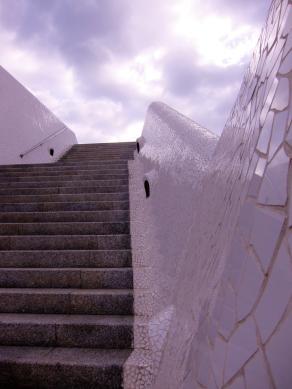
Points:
point(212, 242)
point(29, 132)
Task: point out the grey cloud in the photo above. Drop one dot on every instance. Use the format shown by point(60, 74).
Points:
point(87, 34)
point(184, 76)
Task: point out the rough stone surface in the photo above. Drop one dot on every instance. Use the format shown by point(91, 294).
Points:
point(66, 299)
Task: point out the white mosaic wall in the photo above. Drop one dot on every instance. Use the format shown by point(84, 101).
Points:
point(217, 312)
point(25, 122)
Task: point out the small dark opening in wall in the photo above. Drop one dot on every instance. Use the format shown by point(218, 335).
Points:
point(52, 152)
point(138, 147)
point(147, 188)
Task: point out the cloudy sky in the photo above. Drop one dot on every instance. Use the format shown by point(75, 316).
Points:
point(98, 64)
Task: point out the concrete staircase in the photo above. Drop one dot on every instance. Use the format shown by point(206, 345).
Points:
point(66, 300)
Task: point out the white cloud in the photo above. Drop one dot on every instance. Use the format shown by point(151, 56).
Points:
point(100, 76)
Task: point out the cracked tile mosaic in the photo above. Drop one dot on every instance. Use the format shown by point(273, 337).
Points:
point(214, 234)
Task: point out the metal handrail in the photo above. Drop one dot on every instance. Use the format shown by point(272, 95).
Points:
point(43, 141)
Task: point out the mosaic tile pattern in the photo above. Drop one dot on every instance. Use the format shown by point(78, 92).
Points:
point(215, 238)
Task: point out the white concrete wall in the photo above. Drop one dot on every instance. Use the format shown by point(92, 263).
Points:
point(25, 122)
point(218, 313)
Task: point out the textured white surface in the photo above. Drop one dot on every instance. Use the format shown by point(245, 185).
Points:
point(24, 123)
point(168, 161)
point(212, 236)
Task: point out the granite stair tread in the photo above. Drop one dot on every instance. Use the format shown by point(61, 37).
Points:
point(52, 330)
point(61, 368)
point(66, 281)
point(69, 277)
point(65, 258)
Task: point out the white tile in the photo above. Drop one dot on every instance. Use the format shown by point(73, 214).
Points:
point(237, 255)
point(265, 233)
point(212, 383)
point(276, 294)
point(261, 166)
point(254, 186)
point(286, 23)
point(218, 355)
point(279, 354)
point(271, 90)
point(264, 139)
point(203, 367)
point(241, 347)
point(238, 383)
point(286, 65)
point(289, 135)
point(288, 45)
point(249, 286)
point(281, 98)
point(275, 56)
point(256, 374)
point(279, 129)
point(227, 317)
point(273, 190)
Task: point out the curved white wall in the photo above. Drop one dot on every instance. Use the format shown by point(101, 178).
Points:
point(25, 122)
point(174, 156)
point(217, 311)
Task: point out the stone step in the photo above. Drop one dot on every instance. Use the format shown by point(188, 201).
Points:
point(64, 171)
point(64, 190)
point(66, 258)
point(92, 160)
point(78, 183)
point(65, 242)
point(79, 163)
point(101, 157)
point(58, 167)
point(120, 196)
point(81, 177)
point(61, 368)
point(65, 216)
point(101, 151)
point(66, 281)
point(64, 206)
point(103, 146)
point(62, 228)
point(49, 330)
point(85, 278)
point(67, 301)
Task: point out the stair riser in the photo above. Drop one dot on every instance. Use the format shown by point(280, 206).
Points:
point(93, 177)
point(58, 164)
point(110, 152)
point(65, 198)
point(65, 167)
point(66, 335)
point(72, 190)
point(98, 156)
point(64, 228)
point(65, 216)
point(65, 242)
point(78, 184)
point(65, 303)
point(67, 258)
point(67, 278)
point(92, 159)
point(63, 172)
point(15, 373)
point(63, 206)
